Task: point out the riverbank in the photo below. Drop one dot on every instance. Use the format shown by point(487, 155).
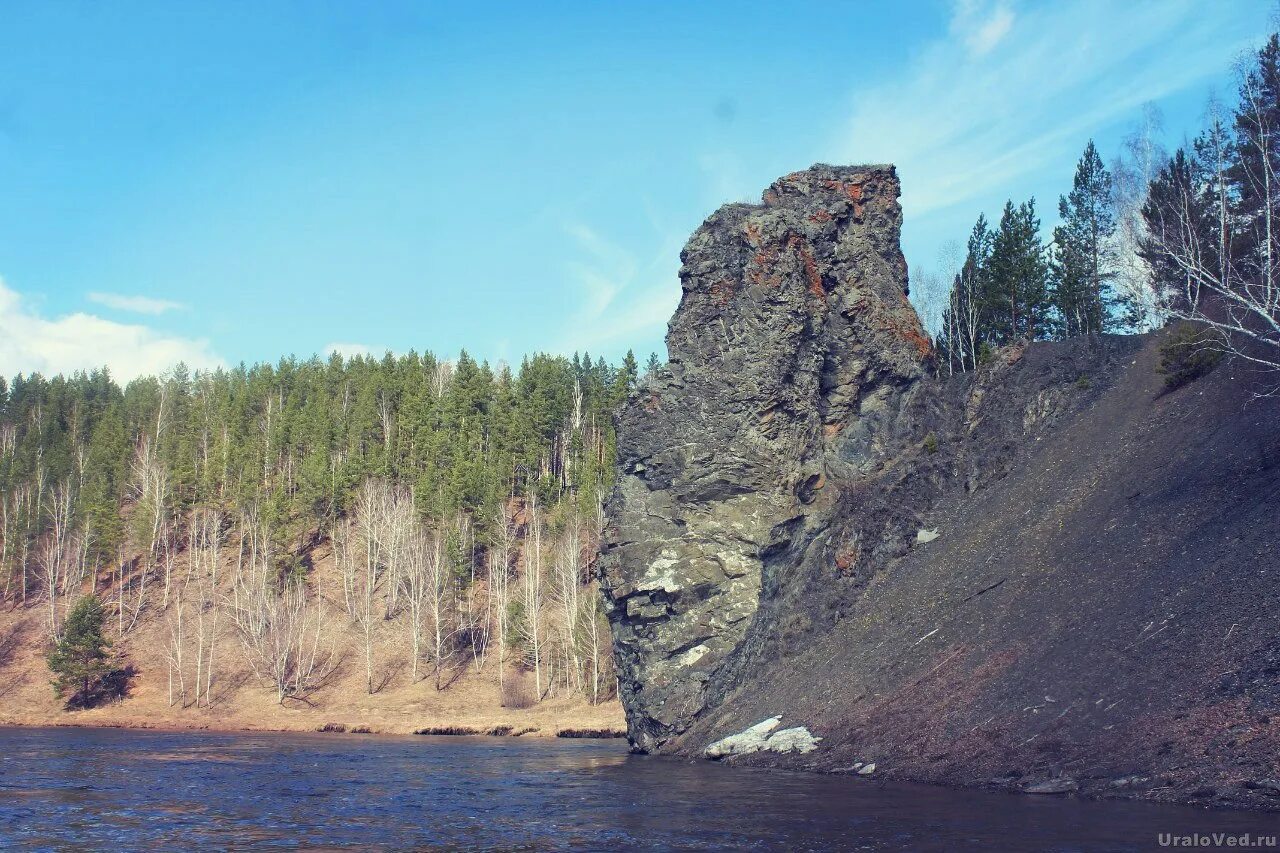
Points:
point(551, 721)
point(471, 702)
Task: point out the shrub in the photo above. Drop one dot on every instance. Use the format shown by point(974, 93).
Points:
point(518, 691)
point(1188, 353)
point(1083, 383)
point(931, 443)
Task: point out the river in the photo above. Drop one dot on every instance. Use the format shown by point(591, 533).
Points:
point(124, 790)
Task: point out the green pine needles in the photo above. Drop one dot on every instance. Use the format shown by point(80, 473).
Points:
point(80, 659)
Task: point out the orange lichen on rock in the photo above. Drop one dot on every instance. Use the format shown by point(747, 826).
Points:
point(797, 244)
point(909, 330)
point(820, 216)
point(652, 402)
point(852, 190)
point(722, 291)
point(761, 262)
point(900, 321)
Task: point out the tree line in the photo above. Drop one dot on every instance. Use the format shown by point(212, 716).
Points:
point(1190, 236)
point(460, 502)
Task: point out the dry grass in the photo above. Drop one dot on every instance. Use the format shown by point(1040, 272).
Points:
point(518, 691)
point(243, 702)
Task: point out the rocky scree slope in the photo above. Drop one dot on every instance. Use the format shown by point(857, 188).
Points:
point(1048, 575)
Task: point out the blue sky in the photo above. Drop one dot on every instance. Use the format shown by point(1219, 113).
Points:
point(237, 181)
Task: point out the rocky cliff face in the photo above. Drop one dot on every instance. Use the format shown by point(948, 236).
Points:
point(790, 354)
point(1047, 575)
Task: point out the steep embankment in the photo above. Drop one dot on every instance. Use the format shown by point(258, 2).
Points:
point(1096, 612)
point(240, 700)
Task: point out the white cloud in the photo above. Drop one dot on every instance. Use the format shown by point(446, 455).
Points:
point(1005, 95)
point(980, 25)
point(624, 300)
point(30, 343)
point(351, 350)
point(136, 304)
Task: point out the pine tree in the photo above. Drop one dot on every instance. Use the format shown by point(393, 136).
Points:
point(1175, 211)
point(626, 379)
point(1016, 288)
point(966, 319)
point(1255, 169)
point(1083, 263)
point(79, 659)
point(652, 365)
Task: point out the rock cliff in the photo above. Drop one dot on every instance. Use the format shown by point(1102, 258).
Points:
point(1046, 575)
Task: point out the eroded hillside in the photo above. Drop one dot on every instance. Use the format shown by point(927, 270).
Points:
point(1046, 575)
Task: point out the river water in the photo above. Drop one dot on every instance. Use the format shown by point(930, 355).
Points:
point(123, 790)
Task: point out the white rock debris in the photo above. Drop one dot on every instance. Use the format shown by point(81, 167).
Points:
point(762, 738)
point(924, 535)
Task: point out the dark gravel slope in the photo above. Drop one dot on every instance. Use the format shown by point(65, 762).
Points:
point(1100, 611)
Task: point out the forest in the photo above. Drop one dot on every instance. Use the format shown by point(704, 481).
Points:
point(1191, 237)
point(458, 503)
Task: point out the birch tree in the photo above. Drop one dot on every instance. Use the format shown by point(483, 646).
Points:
point(1214, 233)
point(530, 625)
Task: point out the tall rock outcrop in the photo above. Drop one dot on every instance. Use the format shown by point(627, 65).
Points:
point(1050, 574)
point(790, 356)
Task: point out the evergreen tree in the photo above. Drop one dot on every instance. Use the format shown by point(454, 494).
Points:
point(1083, 264)
point(79, 659)
point(626, 379)
point(1175, 210)
point(292, 443)
point(652, 365)
point(1255, 168)
point(966, 319)
point(1015, 286)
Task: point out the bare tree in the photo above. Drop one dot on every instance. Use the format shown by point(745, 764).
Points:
point(566, 595)
point(279, 625)
point(441, 591)
point(175, 643)
point(499, 582)
point(530, 625)
point(1233, 291)
point(282, 631)
point(151, 488)
point(204, 553)
point(441, 377)
point(58, 549)
point(421, 564)
point(369, 548)
point(929, 292)
point(1132, 173)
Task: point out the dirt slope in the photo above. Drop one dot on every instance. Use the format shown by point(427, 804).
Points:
point(241, 701)
point(1102, 617)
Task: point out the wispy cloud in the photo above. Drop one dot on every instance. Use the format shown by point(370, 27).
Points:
point(1011, 90)
point(351, 350)
point(30, 343)
point(135, 304)
point(981, 25)
point(623, 298)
